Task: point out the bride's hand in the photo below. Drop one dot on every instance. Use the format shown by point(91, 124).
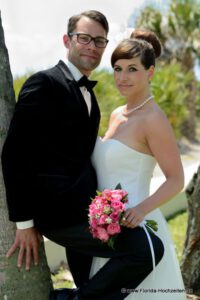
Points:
point(133, 217)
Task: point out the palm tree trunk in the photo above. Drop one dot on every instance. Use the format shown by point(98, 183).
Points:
point(15, 284)
point(190, 265)
point(189, 126)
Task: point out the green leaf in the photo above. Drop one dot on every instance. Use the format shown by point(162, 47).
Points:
point(98, 193)
point(152, 224)
point(111, 242)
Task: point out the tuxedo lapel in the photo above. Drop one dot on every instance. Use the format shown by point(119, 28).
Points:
point(95, 107)
point(71, 83)
point(76, 94)
point(65, 70)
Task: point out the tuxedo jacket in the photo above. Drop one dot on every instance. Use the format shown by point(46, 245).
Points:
point(46, 156)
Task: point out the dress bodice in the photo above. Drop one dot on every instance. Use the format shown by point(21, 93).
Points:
point(116, 162)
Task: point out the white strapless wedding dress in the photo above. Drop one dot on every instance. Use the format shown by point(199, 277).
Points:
point(115, 163)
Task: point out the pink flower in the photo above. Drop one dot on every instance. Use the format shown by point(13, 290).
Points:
point(94, 223)
point(95, 209)
point(115, 216)
point(102, 219)
point(116, 196)
point(102, 234)
point(92, 209)
point(117, 205)
point(107, 193)
point(107, 209)
point(105, 212)
point(122, 193)
point(113, 228)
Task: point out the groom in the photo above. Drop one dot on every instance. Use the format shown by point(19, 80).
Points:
point(49, 177)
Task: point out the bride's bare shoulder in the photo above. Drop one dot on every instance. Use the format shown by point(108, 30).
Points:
point(156, 118)
point(115, 114)
point(117, 110)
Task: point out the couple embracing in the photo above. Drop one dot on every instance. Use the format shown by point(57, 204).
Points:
point(53, 163)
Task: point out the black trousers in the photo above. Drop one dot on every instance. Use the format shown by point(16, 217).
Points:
point(130, 263)
point(79, 265)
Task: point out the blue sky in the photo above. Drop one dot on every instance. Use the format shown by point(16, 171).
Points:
point(34, 29)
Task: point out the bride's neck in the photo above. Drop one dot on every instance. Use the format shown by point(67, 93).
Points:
point(137, 99)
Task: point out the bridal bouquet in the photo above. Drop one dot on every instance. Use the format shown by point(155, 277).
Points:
point(106, 212)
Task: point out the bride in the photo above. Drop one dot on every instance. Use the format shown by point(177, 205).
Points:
point(138, 137)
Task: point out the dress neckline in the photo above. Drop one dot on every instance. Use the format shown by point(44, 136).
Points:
point(126, 146)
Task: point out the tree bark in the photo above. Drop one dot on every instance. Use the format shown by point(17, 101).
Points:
point(189, 126)
point(15, 284)
point(190, 265)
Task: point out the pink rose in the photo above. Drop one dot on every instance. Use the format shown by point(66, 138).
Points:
point(102, 234)
point(117, 205)
point(114, 216)
point(95, 209)
point(123, 194)
point(107, 193)
point(102, 220)
point(94, 233)
point(93, 223)
point(116, 196)
point(113, 229)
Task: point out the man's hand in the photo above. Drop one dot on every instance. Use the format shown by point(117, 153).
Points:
point(27, 241)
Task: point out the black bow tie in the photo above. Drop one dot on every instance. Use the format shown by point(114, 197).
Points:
point(84, 81)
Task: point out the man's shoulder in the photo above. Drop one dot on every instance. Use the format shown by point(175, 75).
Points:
point(59, 72)
point(49, 72)
point(46, 76)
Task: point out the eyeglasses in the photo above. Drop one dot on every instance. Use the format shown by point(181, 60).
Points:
point(83, 38)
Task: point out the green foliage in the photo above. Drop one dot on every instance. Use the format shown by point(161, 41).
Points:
point(178, 30)
point(184, 16)
point(177, 226)
point(18, 82)
point(151, 19)
point(169, 88)
point(107, 95)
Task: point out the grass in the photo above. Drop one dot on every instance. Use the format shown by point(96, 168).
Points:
point(62, 278)
point(177, 226)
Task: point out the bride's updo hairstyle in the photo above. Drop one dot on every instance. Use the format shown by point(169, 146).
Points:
point(147, 50)
point(150, 37)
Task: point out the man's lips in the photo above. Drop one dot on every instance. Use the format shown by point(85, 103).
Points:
point(92, 56)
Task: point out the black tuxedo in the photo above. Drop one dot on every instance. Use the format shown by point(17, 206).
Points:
point(46, 156)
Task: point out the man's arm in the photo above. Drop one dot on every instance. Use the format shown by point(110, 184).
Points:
point(19, 164)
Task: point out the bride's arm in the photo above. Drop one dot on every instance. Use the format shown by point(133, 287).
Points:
point(162, 144)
